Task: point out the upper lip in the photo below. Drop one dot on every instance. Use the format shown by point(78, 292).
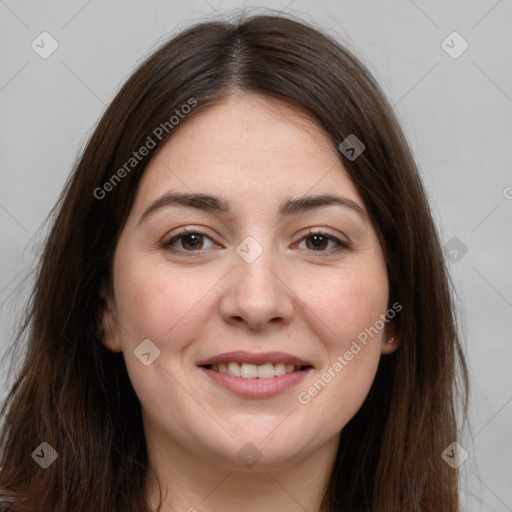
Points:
point(258, 359)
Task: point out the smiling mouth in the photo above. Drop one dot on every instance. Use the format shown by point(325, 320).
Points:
point(255, 371)
point(255, 376)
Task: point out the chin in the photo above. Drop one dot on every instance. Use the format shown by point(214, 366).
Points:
point(257, 449)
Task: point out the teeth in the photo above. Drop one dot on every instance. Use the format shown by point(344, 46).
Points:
point(234, 369)
point(265, 371)
point(248, 371)
point(280, 369)
point(251, 371)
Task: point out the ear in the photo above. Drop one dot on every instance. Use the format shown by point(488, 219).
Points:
point(108, 326)
point(390, 339)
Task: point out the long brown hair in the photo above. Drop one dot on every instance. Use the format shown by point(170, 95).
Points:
point(76, 396)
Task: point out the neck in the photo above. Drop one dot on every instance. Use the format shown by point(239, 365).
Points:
point(191, 484)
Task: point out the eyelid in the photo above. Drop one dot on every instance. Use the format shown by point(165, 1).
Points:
point(324, 232)
point(176, 235)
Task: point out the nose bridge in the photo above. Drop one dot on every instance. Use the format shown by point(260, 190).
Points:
point(257, 292)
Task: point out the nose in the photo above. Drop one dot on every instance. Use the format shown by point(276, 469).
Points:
point(257, 295)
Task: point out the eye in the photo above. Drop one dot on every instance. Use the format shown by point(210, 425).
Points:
point(188, 240)
point(320, 241)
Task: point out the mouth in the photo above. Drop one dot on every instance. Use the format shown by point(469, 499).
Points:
point(253, 371)
point(255, 375)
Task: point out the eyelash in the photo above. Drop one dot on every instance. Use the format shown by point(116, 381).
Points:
point(187, 231)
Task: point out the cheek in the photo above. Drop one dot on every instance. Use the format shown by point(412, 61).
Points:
point(346, 313)
point(345, 305)
point(154, 302)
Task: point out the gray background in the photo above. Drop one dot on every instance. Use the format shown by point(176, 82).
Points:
point(456, 113)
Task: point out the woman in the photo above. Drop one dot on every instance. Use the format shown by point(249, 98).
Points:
point(243, 301)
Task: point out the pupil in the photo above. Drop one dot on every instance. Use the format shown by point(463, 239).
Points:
point(192, 240)
point(317, 240)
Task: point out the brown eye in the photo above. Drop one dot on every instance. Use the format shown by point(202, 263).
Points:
point(188, 241)
point(193, 241)
point(323, 243)
point(317, 242)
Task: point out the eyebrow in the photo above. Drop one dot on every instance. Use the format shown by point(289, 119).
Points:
point(216, 204)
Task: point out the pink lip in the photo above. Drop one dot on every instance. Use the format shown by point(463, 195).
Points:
point(261, 358)
point(257, 388)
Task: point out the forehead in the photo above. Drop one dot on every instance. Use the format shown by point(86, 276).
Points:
point(249, 148)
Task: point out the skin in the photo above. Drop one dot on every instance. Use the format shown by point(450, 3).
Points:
point(202, 300)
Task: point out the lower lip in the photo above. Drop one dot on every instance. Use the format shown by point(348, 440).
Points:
point(257, 388)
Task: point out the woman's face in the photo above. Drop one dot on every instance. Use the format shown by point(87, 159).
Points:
point(275, 283)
